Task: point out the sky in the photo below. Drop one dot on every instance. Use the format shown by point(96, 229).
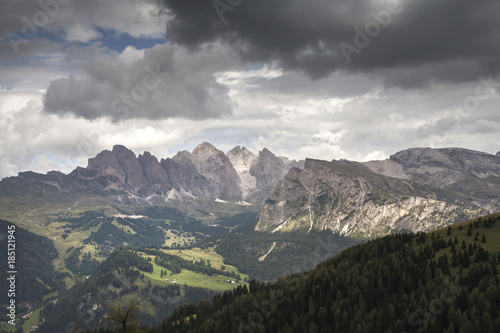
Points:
point(326, 79)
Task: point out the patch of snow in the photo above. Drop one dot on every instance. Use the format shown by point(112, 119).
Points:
point(129, 216)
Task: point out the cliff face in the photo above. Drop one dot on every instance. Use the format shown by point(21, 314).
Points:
point(350, 198)
point(260, 173)
point(206, 172)
point(467, 172)
point(216, 167)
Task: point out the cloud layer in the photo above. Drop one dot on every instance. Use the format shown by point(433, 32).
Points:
point(162, 82)
point(324, 79)
point(407, 43)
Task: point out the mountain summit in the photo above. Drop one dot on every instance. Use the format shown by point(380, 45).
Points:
point(206, 172)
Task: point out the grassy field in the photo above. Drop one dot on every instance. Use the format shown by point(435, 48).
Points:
point(216, 260)
point(179, 238)
point(492, 234)
point(32, 321)
point(189, 278)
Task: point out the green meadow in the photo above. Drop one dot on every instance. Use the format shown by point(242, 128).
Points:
point(190, 278)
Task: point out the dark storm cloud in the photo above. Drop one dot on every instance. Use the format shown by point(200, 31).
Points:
point(163, 82)
point(422, 41)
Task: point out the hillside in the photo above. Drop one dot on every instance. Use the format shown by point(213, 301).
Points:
point(36, 280)
point(416, 190)
point(128, 275)
point(405, 282)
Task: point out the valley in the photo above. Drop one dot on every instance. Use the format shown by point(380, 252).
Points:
point(180, 230)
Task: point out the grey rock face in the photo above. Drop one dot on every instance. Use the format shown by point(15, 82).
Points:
point(216, 167)
point(134, 175)
point(242, 160)
point(259, 174)
point(184, 181)
point(465, 171)
point(268, 170)
point(156, 179)
point(415, 190)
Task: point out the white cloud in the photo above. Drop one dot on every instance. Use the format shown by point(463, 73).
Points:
point(82, 33)
point(353, 116)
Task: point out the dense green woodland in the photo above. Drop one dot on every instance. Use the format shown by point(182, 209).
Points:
point(303, 251)
point(405, 282)
point(33, 257)
point(118, 277)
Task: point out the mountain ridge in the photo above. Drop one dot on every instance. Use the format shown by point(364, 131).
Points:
point(206, 172)
point(415, 190)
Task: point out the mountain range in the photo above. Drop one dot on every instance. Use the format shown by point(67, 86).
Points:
point(262, 215)
point(206, 172)
point(414, 190)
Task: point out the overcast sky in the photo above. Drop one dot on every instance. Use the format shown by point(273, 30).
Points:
point(328, 79)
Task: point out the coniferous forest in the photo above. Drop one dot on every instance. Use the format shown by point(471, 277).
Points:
point(399, 283)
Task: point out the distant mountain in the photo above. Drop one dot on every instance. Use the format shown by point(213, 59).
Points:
point(206, 172)
point(215, 166)
point(415, 190)
point(259, 174)
point(468, 172)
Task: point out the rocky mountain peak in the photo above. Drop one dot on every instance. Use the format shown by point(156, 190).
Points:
point(106, 164)
point(206, 172)
point(204, 149)
point(215, 166)
point(352, 198)
point(242, 160)
point(240, 157)
point(122, 150)
point(235, 151)
point(498, 153)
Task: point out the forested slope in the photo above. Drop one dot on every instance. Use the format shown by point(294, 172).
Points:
point(446, 281)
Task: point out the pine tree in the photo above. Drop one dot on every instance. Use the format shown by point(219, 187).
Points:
point(454, 259)
point(466, 260)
